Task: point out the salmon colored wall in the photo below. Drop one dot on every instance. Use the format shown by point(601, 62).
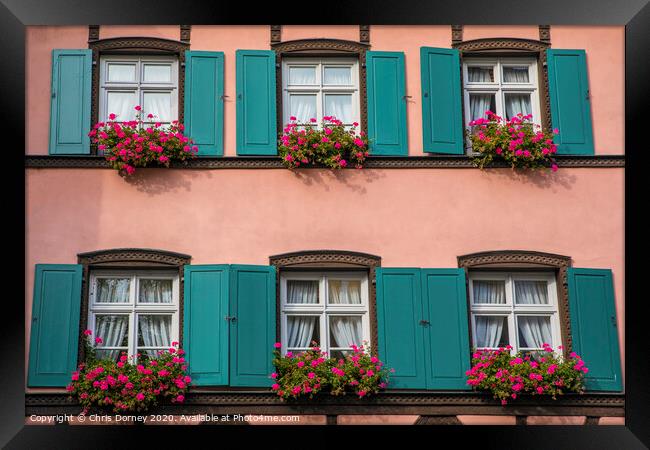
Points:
point(346, 32)
point(489, 31)
point(422, 218)
point(158, 31)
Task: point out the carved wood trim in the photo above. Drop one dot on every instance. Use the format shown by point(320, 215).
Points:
point(185, 33)
point(93, 33)
point(456, 34)
point(364, 34)
point(276, 34)
point(437, 420)
point(545, 34)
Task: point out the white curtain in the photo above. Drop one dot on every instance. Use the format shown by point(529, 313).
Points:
point(302, 75)
point(339, 106)
point(345, 331)
point(159, 104)
point(515, 74)
point(479, 74)
point(479, 103)
point(517, 103)
point(154, 331)
point(299, 291)
point(489, 330)
point(302, 107)
point(121, 72)
point(531, 292)
point(112, 329)
point(155, 291)
point(113, 290)
point(345, 292)
point(337, 75)
point(534, 331)
point(121, 104)
point(489, 291)
point(300, 331)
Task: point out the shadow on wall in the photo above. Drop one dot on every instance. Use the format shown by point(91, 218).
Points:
point(348, 177)
point(541, 178)
point(161, 181)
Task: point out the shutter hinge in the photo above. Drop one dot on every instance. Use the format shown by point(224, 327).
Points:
point(182, 63)
point(587, 96)
point(374, 281)
point(614, 321)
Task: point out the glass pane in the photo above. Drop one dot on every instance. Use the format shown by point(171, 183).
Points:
point(302, 107)
point(302, 75)
point(154, 330)
point(345, 292)
point(302, 330)
point(121, 104)
point(515, 74)
point(155, 291)
point(534, 331)
point(480, 74)
point(531, 292)
point(340, 354)
point(517, 103)
point(489, 291)
point(147, 354)
point(339, 106)
point(479, 103)
point(491, 331)
point(345, 331)
point(302, 291)
point(113, 329)
point(337, 75)
point(159, 104)
point(121, 73)
point(108, 354)
point(113, 290)
point(157, 73)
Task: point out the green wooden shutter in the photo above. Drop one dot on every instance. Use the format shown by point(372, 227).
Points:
point(400, 334)
point(442, 122)
point(386, 103)
point(204, 101)
point(447, 335)
point(593, 327)
point(54, 338)
point(253, 331)
point(205, 328)
point(570, 106)
point(70, 105)
point(256, 119)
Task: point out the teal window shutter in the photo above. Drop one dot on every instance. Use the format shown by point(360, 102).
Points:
point(442, 122)
point(593, 327)
point(205, 328)
point(54, 337)
point(256, 113)
point(447, 337)
point(204, 101)
point(70, 105)
point(386, 103)
point(253, 329)
point(400, 333)
point(570, 106)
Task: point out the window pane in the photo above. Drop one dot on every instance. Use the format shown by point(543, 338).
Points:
point(113, 329)
point(531, 292)
point(302, 291)
point(157, 73)
point(121, 73)
point(302, 330)
point(480, 74)
point(159, 104)
point(121, 104)
point(155, 291)
point(154, 330)
point(479, 103)
point(108, 354)
point(302, 75)
point(517, 103)
point(302, 107)
point(337, 75)
point(113, 290)
point(534, 331)
point(491, 331)
point(339, 106)
point(489, 291)
point(515, 74)
point(345, 292)
point(345, 331)
point(340, 354)
point(147, 354)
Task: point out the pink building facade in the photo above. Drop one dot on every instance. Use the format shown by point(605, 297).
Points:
point(388, 242)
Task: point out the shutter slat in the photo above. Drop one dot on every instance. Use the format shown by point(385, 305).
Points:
point(386, 103)
point(204, 101)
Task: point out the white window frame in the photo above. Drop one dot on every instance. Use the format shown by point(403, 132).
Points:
point(323, 310)
point(319, 89)
point(139, 86)
point(499, 88)
point(511, 310)
point(133, 309)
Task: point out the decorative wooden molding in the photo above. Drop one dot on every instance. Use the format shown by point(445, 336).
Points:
point(504, 259)
point(186, 32)
point(364, 34)
point(545, 34)
point(456, 34)
point(320, 47)
point(437, 420)
point(93, 33)
point(274, 162)
point(276, 34)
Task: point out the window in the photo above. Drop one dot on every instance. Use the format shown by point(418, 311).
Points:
point(506, 86)
point(315, 88)
point(330, 308)
point(516, 308)
point(135, 312)
point(151, 82)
